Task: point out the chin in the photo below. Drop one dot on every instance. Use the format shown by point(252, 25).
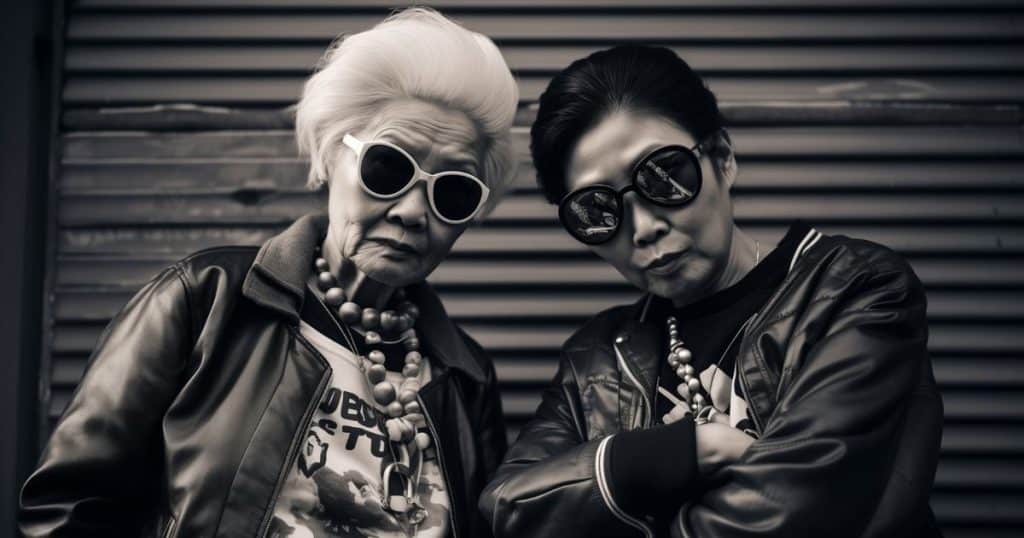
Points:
point(677, 287)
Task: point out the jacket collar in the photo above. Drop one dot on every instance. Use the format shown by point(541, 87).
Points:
point(277, 279)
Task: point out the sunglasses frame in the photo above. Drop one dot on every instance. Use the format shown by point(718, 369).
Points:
point(694, 154)
point(419, 174)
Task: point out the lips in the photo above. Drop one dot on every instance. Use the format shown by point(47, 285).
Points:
point(665, 263)
point(397, 245)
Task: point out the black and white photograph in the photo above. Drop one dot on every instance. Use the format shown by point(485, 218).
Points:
point(512, 268)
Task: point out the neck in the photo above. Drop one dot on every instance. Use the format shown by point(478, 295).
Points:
point(359, 288)
point(742, 258)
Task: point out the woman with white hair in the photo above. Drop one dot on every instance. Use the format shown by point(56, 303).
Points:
point(313, 386)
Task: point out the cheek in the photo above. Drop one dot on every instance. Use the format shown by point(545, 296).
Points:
point(349, 204)
point(442, 238)
point(619, 253)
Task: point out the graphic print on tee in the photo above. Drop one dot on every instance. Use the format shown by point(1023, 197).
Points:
point(334, 489)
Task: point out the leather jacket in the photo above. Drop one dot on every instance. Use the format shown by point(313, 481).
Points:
point(838, 380)
point(197, 398)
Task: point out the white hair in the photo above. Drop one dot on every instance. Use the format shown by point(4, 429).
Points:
point(415, 53)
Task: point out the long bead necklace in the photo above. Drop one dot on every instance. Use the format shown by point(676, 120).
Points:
point(400, 404)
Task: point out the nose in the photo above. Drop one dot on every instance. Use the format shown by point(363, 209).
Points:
point(410, 210)
point(648, 227)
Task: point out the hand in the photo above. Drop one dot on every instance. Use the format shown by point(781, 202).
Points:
point(719, 445)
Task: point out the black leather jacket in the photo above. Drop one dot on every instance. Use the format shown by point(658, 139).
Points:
point(198, 395)
point(849, 425)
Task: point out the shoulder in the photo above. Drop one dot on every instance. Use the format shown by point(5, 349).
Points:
point(227, 265)
point(835, 259)
point(599, 330)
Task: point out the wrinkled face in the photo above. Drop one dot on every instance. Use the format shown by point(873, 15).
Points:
point(400, 241)
point(676, 253)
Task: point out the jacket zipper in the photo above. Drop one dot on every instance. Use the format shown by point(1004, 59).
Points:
point(602, 486)
point(440, 463)
point(293, 450)
point(624, 365)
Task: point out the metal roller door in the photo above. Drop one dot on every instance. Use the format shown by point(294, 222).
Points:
point(897, 121)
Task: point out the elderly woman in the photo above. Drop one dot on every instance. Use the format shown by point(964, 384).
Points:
point(755, 389)
point(314, 387)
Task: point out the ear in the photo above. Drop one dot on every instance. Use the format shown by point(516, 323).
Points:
point(724, 159)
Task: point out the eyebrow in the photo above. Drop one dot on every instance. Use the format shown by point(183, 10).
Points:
point(626, 173)
point(461, 160)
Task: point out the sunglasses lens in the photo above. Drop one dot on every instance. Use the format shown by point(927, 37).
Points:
point(456, 196)
point(669, 177)
point(385, 170)
point(591, 215)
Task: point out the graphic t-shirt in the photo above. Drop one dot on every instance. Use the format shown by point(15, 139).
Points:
point(335, 487)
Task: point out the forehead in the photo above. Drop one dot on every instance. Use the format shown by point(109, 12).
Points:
point(606, 153)
point(426, 130)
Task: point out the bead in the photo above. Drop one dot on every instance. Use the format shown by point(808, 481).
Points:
point(372, 338)
point(411, 383)
point(411, 370)
point(408, 333)
point(416, 418)
point(620, 340)
point(322, 265)
point(394, 429)
point(388, 321)
point(422, 440)
point(350, 313)
point(681, 372)
point(403, 323)
point(693, 384)
point(412, 407)
point(371, 319)
point(684, 354)
point(698, 399)
point(383, 392)
point(412, 311)
point(334, 297)
point(395, 409)
point(376, 373)
point(413, 357)
point(376, 356)
point(673, 361)
point(411, 344)
point(689, 370)
point(325, 279)
point(407, 396)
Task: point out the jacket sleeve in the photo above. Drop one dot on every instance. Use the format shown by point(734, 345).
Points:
point(549, 483)
point(826, 454)
point(98, 464)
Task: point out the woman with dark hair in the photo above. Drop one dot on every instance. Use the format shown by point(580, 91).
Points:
point(756, 389)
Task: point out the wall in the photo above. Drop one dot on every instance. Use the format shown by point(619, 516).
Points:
point(895, 121)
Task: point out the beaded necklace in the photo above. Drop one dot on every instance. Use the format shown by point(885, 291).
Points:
point(399, 479)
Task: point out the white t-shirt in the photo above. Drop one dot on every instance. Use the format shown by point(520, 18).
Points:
point(335, 487)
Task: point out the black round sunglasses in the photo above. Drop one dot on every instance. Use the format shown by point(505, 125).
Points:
point(669, 176)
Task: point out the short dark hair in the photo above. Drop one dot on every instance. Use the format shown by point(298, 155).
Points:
point(637, 77)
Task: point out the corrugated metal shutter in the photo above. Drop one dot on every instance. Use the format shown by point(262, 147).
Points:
point(895, 121)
